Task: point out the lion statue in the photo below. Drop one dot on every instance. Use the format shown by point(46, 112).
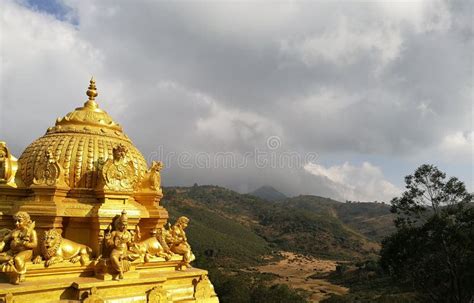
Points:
point(155, 246)
point(152, 179)
point(56, 249)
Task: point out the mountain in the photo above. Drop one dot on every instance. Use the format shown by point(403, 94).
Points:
point(241, 229)
point(268, 193)
point(233, 234)
point(373, 220)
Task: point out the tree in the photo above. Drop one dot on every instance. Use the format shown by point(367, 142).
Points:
point(433, 248)
point(427, 190)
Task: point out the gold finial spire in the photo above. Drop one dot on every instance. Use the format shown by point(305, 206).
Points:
point(91, 93)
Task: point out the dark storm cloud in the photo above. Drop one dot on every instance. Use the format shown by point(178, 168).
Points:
point(351, 78)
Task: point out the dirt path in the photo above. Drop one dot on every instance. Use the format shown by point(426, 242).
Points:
point(295, 270)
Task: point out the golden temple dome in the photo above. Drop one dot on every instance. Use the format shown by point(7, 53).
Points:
point(80, 142)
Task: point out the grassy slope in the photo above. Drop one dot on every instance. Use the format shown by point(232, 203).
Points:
point(268, 193)
point(245, 227)
point(213, 235)
point(372, 220)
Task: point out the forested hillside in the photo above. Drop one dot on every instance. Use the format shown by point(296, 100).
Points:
point(245, 227)
point(231, 234)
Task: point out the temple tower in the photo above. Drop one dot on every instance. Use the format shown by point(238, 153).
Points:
point(76, 179)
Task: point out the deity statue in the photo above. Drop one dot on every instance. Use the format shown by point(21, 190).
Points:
point(74, 181)
point(178, 242)
point(21, 241)
point(121, 244)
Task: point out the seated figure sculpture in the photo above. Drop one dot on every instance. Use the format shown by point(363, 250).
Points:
point(21, 241)
point(121, 244)
point(178, 242)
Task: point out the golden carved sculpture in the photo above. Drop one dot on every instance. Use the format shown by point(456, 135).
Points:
point(93, 297)
point(152, 178)
point(155, 246)
point(56, 249)
point(8, 165)
point(21, 241)
point(204, 290)
point(88, 193)
point(178, 242)
point(118, 172)
point(49, 173)
point(121, 243)
point(158, 295)
point(80, 140)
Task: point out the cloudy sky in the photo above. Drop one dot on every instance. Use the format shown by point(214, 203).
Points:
point(334, 98)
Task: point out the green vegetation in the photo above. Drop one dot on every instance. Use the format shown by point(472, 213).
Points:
point(372, 220)
point(268, 193)
point(307, 224)
point(213, 235)
point(246, 286)
point(429, 256)
point(231, 232)
point(433, 248)
point(368, 283)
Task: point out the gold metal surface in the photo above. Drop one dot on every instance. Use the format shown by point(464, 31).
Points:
point(79, 142)
point(80, 198)
point(8, 166)
point(20, 242)
point(178, 242)
point(55, 249)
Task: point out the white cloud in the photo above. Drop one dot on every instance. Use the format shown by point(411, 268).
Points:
point(363, 183)
point(365, 78)
point(458, 146)
point(346, 43)
point(230, 125)
point(326, 101)
point(421, 15)
point(45, 68)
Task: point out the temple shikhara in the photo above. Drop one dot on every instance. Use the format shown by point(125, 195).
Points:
point(81, 221)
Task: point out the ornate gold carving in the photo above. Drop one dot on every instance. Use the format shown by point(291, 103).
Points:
point(152, 179)
point(120, 245)
point(49, 173)
point(21, 242)
point(90, 115)
point(158, 295)
point(155, 246)
point(77, 142)
point(3, 233)
point(178, 242)
point(94, 297)
point(56, 249)
point(9, 298)
point(203, 289)
point(8, 166)
point(75, 178)
point(118, 172)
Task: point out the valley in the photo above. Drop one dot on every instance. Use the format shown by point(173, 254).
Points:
point(296, 271)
